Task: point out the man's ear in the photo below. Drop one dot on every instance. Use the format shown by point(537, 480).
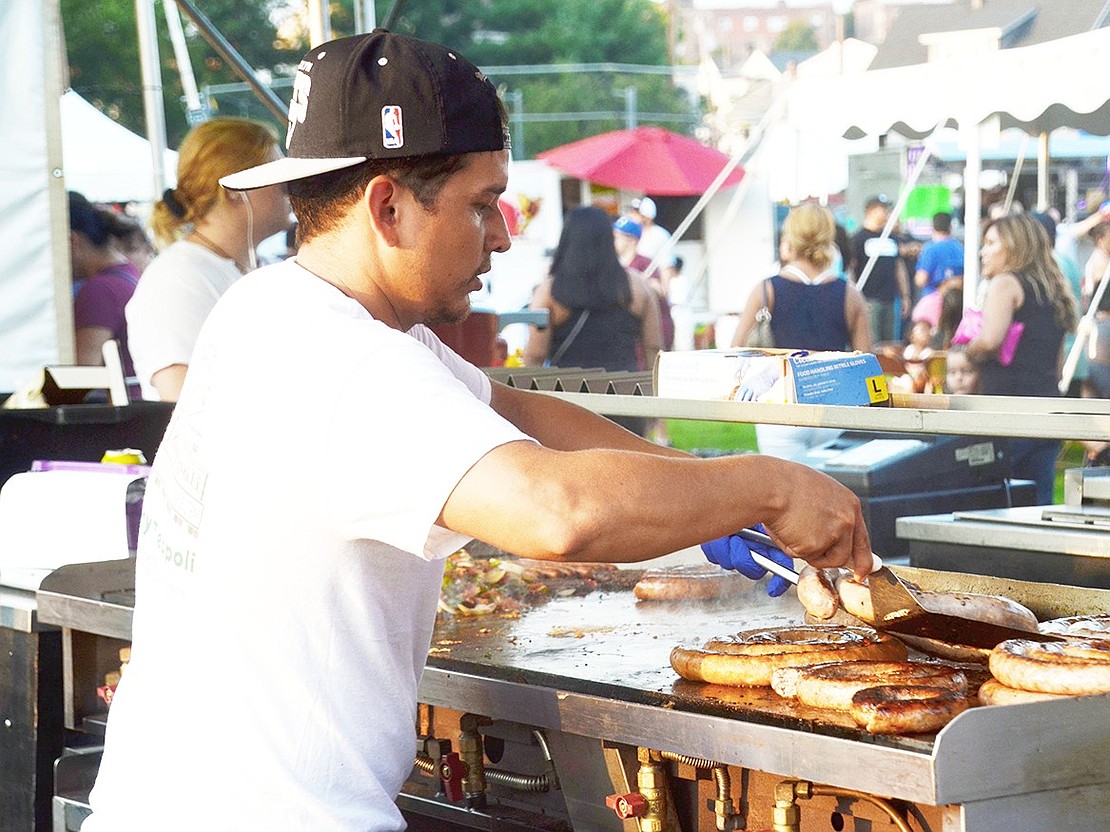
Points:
point(381, 200)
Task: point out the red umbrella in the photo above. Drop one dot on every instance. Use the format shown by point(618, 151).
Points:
point(648, 159)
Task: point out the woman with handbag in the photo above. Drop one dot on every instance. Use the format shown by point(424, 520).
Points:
point(599, 313)
point(1024, 287)
point(805, 306)
point(809, 307)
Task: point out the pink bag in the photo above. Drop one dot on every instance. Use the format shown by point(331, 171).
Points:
point(972, 324)
point(928, 309)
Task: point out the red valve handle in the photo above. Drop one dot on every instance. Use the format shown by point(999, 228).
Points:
point(632, 805)
point(452, 770)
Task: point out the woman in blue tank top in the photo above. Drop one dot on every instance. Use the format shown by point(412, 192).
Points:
point(811, 309)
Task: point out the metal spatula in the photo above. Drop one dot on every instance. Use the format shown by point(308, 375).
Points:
point(901, 610)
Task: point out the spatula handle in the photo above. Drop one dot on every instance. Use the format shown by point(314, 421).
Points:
point(775, 567)
point(772, 566)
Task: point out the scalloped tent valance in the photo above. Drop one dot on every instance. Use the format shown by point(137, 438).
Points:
point(1059, 83)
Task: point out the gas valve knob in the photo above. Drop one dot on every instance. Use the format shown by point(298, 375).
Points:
point(632, 805)
point(452, 770)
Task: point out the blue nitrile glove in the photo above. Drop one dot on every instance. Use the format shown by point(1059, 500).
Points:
point(733, 552)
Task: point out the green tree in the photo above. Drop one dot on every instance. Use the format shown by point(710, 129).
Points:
point(102, 51)
point(103, 54)
point(498, 33)
point(798, 36)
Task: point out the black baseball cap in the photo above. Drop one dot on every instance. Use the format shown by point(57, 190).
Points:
point(381, 96)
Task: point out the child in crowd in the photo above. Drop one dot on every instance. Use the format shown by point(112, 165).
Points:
point(962, 376)
point(919, 348)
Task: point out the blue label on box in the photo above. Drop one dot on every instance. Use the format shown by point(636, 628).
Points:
point(855, 379)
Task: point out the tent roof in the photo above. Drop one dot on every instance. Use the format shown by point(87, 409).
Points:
point(1020, 22)
point(104, 160)
point(1061, 83)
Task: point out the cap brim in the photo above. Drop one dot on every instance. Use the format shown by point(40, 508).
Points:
point(285, 170)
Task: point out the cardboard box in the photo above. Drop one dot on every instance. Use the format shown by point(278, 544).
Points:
point(778, 376)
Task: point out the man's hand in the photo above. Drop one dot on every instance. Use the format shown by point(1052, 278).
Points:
point(733, 552)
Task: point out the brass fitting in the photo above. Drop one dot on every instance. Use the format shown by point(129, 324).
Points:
point(651, 783)
point(785, 815)
point(723, 810)
point(725, 813)
point(473, 754)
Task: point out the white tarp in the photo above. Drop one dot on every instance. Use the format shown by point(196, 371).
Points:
point(103, 159)
point(1059, 83)
point(34, 252)
point(1039, 88)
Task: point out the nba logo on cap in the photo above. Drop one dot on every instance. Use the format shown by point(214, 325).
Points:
point(393, 135)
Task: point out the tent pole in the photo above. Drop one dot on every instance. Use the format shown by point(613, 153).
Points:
point(153, 106)
point(181, 55)
point(1043, 158)
point(973, 207)
point(234, 60)
point(1018, 163)
point(319, 22)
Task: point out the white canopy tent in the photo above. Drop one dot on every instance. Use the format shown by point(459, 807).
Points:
point(1060, 83)
point(36, 319)
point(36, 310)
point(103, 159)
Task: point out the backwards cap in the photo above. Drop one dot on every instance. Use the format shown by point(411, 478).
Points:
point(381, 96)
point(645, 206)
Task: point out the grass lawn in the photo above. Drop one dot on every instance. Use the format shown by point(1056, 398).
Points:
point(694, 435)
point(1073, 456)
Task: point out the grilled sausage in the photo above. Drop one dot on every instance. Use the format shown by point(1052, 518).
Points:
point(906, 709)
point(1079, 626)
point(817, 591)
point(833, 685)
point(749, 658)
point(696, 582)
point(1077, 667)
point(993, 692)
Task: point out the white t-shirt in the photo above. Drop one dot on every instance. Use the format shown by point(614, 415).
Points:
point(289, 568)
point(177, 291)
point(652, 240)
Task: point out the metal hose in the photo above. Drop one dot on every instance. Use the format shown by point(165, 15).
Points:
point(720, 771)
point(789, 791)
point(534, 783)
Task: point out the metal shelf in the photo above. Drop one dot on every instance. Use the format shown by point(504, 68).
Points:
point(1013, 416)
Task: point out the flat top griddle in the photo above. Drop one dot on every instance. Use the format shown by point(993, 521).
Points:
point(610, 644)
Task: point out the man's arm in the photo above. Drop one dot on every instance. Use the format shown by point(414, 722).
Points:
point(598, 492)
point(563, 426)
point(625, 506)
point(902, 275)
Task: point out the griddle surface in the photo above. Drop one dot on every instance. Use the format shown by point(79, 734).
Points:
point(610, 644)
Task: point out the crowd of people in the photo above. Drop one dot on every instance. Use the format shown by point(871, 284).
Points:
point(906, 302)
point(608, 286)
